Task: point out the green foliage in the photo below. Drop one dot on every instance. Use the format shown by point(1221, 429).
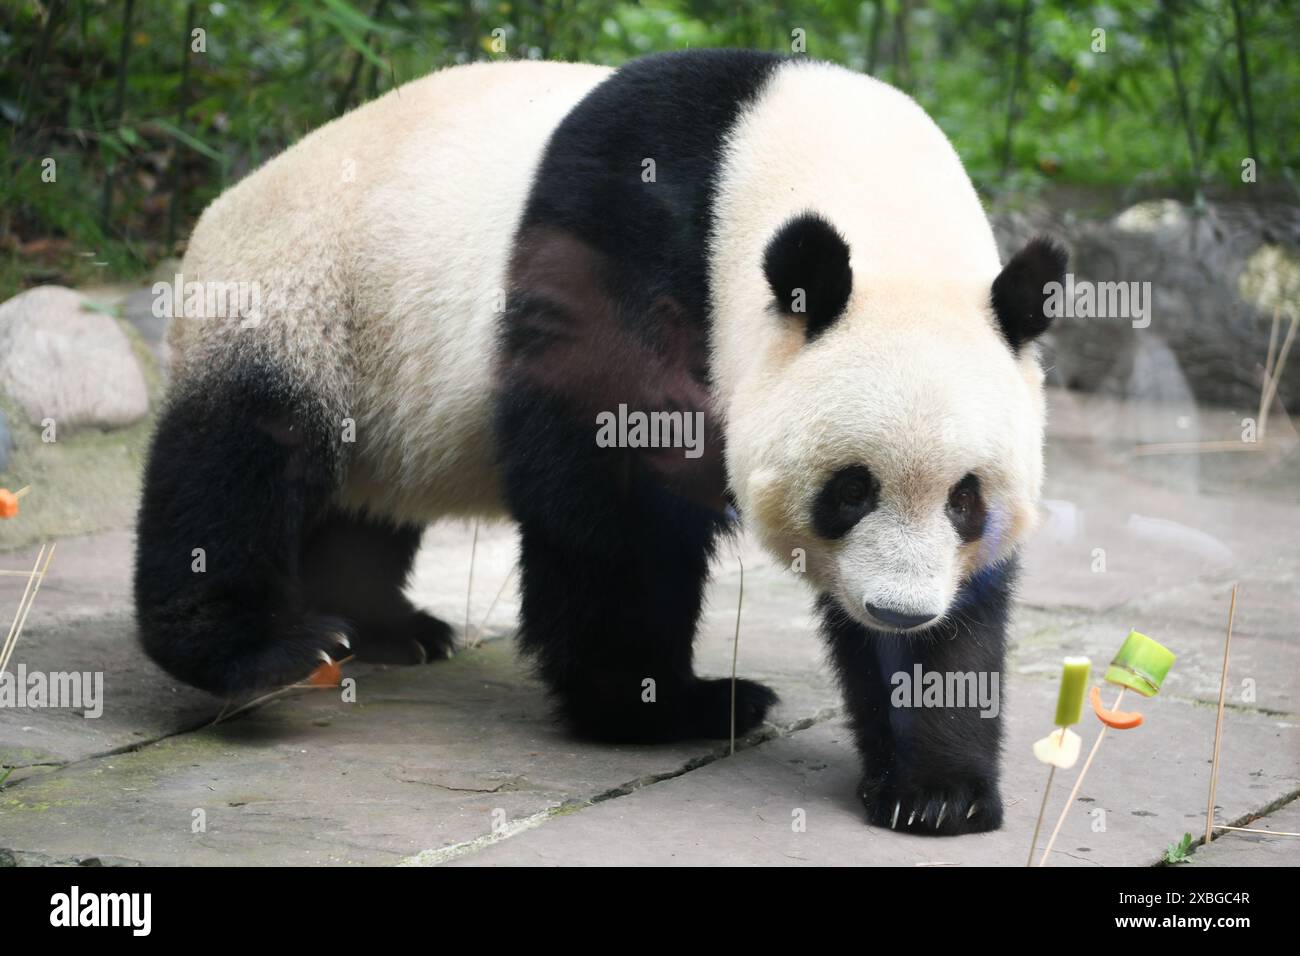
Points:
point(1179, 852)
point(1017, 84)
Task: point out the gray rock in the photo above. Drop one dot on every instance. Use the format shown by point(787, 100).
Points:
point(138, 312)
point(61, 362)
point(6, 442)
point(1216, 275)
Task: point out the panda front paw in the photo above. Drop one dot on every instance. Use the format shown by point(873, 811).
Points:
point(948, 810)
point(418, 638)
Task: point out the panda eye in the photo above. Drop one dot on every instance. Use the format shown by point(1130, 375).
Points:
point(853, 492)
point(845, 499)
point(966, 508)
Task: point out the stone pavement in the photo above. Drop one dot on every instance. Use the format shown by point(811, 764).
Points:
point(459, 762)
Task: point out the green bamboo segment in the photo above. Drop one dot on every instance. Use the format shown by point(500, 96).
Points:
point(1140, 665)
point(1074, 685)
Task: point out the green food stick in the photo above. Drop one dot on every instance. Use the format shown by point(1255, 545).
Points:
point(1140, 665)
point(1074, 683)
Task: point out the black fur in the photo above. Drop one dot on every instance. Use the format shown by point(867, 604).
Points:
point(919, 759)
point(244, 468)
point(807, 268)
point(356, 567)
point(966, 509)
point(1019, 294)
point(848, 496)
point(608, 306)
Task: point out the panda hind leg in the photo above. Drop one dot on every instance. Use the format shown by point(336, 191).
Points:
point(354, 567)
point(238, 467)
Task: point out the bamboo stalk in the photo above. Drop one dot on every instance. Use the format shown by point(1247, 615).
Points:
point(119, 103)
point(1243, 72)
point(182, 106)
point(1017, 72)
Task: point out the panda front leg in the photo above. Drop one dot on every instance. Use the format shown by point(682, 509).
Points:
point(613, 573)
point(355, 567)
point(928, 768)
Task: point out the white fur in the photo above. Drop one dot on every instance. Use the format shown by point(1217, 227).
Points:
point(382, 242)
point(390, 229)
point(913, 380)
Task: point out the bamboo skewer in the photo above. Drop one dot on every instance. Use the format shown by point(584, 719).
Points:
point(30, 601)
point(1262, 418)
point(1221, 826)
point(1033, 845)
point(25, 605)
point(1069, 801)
point(17, 611)
point(735, 652)
point(469, 587)
point(478, 634)
point(1273, 376)
point(1218, 723)
point(265, 698)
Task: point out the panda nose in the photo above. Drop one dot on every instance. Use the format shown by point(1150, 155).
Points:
point(899, 619)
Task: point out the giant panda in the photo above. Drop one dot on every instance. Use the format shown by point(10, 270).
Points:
point(459, 280)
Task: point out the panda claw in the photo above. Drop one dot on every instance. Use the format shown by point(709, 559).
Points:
point(911, 817)
point(943, 810)
point(894, 822)
point(971, 812)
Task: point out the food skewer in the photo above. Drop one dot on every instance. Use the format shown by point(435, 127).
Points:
point(1141, 665)
point(1061, 748)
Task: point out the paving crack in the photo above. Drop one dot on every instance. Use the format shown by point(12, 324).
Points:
point(769, 732)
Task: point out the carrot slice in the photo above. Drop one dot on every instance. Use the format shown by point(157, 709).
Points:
point(1118, 719)
point(329, 674)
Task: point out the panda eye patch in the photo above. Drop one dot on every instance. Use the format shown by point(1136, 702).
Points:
point(966, 508)
point(846, 498)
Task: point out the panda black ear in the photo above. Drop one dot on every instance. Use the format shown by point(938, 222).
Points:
point(1020, 293)
point(807, 268)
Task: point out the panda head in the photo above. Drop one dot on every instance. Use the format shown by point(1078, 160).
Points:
point(890, 433)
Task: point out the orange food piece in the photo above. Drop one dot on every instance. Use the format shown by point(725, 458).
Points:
point(8, 503)
point(1118, 719)
point(329, 674)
